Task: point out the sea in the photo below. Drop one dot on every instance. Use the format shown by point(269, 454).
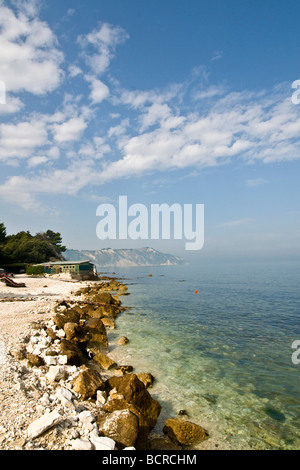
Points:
point(217, 336)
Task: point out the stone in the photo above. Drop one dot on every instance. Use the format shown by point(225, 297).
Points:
point(87, 383)
point(63, 360)
point(104, 361)
point(146, 378)
point(70, 328)
point(81, 444)
point(108, 323)
point(51, 334)
point(184, 432)
point(123, 340)
point(102, 443)
point(95, 325)
point(73, 352)
point(122, 426)
point(101, 397)
point(134, 392)
point(35, 360)
point(51, 360)
point(43, 424)
point(86, 417)
point(69, 316)
point(98, 342)
point(122, 370)
point(56, 373)
point(64, 394)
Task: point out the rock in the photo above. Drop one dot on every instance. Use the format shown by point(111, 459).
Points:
point(73, 352)
point(122, 370)
point(81, 444)
point(146, 378)
point(86, 417)
point(51, 360)
point(35, 360)
point(69, 316)
point(123, 340)
point(121, 426)
point(98, 343)
point(87, 383)
point(134, 392)
point(56, 373)
point(184, 432)
point(101, 397)
point(64, 394)
point(18, 354)
point(95, 325)
point(70, 328)
point(42, 424)
point(103, 361)
point(103, 443)
point(51, 334)
point(108, 323)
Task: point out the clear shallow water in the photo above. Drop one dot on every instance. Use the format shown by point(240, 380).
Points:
point(224, 354)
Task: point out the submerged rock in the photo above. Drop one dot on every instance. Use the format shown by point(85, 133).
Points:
point(184, 432)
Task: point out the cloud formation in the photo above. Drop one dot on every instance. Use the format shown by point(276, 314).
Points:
point(107, 132)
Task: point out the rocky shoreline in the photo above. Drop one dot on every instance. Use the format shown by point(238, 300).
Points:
point(60, 390)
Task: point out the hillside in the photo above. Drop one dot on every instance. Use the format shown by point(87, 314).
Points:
point(124, 257)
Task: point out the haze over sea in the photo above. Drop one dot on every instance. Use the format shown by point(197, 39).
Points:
point(223, 354)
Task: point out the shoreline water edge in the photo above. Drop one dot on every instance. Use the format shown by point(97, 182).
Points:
point(60, 389)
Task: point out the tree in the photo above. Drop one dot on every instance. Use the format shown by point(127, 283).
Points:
point(26, 248)
point(2, 233)
point(55, 239)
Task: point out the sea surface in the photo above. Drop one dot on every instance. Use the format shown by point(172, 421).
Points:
point(217, 336)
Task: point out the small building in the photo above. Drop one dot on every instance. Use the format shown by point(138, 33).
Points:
point(72, 267)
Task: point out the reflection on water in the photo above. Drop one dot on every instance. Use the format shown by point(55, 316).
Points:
point(223, 354)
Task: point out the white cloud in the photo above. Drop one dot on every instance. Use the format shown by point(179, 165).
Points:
point(99, 91)
point(11, 105)
point(69, 131)
point(20, 140)
point(36, 161)
point(103, 42)
point(74, 70)
point(29, 58)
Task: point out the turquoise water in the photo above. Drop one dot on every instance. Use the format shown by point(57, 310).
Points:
point(223, 354)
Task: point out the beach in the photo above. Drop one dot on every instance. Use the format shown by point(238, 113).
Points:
point(58, 396)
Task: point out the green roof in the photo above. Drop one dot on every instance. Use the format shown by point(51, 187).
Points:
point(64, 263)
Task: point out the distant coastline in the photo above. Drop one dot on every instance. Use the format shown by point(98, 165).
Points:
point(109, 257)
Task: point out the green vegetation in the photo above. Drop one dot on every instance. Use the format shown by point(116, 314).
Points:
point(30, 249)
point(34, 270)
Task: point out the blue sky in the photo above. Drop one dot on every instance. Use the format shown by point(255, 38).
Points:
point(163, 101)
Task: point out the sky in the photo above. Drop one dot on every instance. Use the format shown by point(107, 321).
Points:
point(169, 101)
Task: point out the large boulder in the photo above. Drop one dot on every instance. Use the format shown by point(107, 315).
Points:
point(122, 426)
point(68, 316)
point(95, 326)
point(138, 401)
point(74, 354)
point(104, 361)
point(184, 432)
point(134, 391)
point(87, 383)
